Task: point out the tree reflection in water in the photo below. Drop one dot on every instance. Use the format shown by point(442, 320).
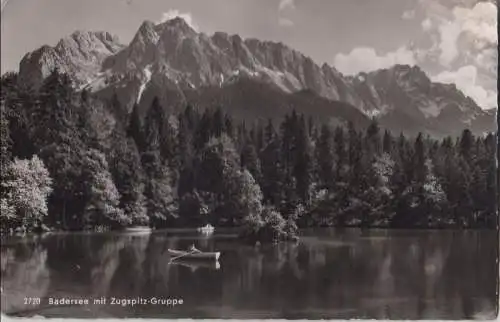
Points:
point(23, 272)
point(330, 274)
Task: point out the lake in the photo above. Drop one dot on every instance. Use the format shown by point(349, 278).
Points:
point(331, 273)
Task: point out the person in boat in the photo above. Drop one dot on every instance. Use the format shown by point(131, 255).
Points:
point(193, 249)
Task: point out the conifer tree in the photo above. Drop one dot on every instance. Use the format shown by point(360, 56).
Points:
point(102, 197)
point(203, 131)
point(128, 176)
point(158, 190)
point(303, 168)
point(154, 121)
point(135, 129)
point(273, 173)
point(250, 160)
point(325, 158)
point(387, 145)
point(340, 152)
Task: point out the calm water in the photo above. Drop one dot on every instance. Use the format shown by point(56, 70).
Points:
point(329, 274)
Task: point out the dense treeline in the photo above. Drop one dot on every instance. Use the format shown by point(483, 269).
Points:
point(72, 162)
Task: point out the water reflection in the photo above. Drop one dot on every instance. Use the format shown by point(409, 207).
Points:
point(24, 271)
point(330, 274)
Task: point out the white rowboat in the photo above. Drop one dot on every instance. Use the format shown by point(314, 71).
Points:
point(138, 229)
point(206, 229)
point(194, 255)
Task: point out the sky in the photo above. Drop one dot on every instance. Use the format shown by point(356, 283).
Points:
point(453, 41)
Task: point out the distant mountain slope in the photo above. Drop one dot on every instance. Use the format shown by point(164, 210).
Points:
point(177, 64)
point(404, 98)
point(250, 100)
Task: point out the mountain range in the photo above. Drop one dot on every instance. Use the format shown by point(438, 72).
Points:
point(251, 79)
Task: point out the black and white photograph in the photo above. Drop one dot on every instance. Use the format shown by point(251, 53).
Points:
point(249, 159)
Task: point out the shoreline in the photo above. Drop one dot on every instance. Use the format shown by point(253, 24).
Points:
point(226, 229)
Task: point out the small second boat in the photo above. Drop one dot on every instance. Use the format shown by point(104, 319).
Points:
point(139, 230)
point(206, 229)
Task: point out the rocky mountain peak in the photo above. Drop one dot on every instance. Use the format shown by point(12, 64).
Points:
point(80, 55)
point(178, 24)
point(37, 65)
point(153, 44)
point(175, 30)
point(146, 33)
point(88, 45)
point(409, 73)
point(173, 56)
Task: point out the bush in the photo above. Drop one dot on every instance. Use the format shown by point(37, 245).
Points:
point(25, 189)
point(269, 227)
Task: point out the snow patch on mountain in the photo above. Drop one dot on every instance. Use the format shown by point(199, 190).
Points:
point(221, 79)
point(276, 77)
point(97, 84)
point(373, 113)
point(432, 109)
point(147, 75)
point(100, 81)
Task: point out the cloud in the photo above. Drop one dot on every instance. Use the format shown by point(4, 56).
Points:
point(480, 22)
point(427, 24)
point(286, 4)
point(466, 79)
point(171, 14)
point(435, 9)
point(487, 59)
point(463, 33)
point(467, 26)
point(366, 59)
point(449, 34)
point(408, 15)
point(285, 22)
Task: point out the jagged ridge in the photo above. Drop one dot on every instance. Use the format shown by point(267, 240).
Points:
point(173, 58)
point(80, 55)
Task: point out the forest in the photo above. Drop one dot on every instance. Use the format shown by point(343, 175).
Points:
point(72, 162)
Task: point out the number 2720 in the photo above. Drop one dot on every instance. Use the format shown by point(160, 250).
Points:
point(32, 301)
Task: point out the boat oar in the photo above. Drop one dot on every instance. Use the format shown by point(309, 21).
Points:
point(186, 254)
